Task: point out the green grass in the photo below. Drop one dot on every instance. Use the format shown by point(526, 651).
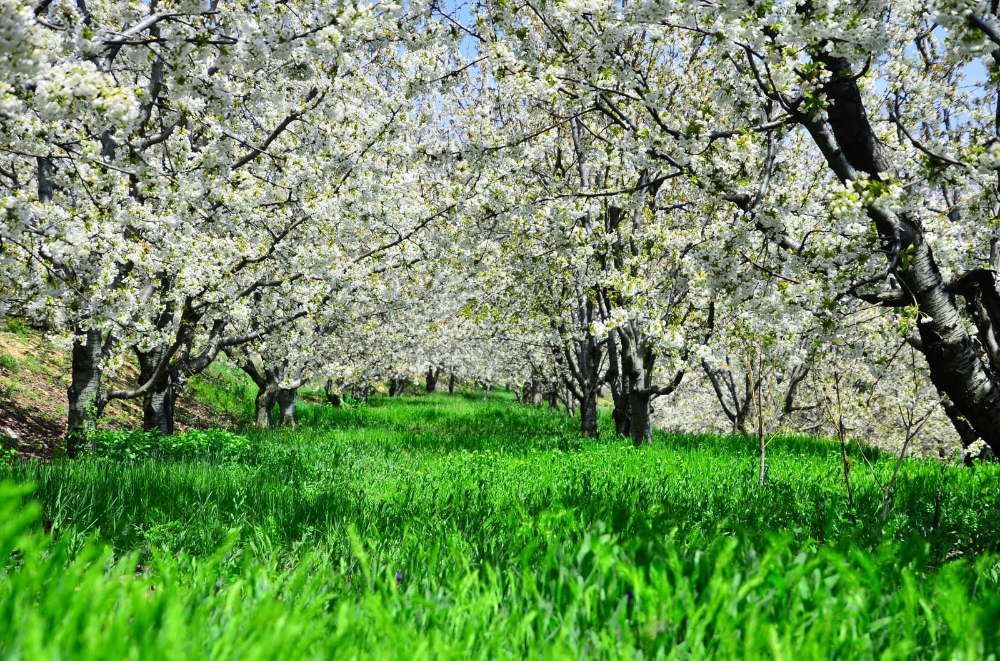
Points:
point(16, 326)
point(8, 362)
point(515, 538)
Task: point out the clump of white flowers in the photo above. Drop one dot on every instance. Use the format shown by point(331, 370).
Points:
point(70, 87)
point(22, 43)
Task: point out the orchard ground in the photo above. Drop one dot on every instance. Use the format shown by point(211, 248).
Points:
point(448, 527)
point(34, 376)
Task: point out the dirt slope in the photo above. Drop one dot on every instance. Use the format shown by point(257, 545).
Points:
point(34, 376)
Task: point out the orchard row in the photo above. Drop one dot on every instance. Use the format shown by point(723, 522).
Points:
point(756, 217)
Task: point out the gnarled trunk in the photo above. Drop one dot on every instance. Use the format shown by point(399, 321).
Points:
point(637, 362)
point(268, 382)
point(84, 393)
point(635, 375)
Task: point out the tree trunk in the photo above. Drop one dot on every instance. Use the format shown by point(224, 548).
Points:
point(158, 406)
point(590, 370)
point(634, 376)
point(451, 384)
point(723, 384)
point(640, 423)
point(955, 367)
point(588, 414)
point(85, 404)
point(621, 414)
point(570, 404)
point(286, 405)
point(432, 378)
point(267, 397)
point(393, 387)
point(332, 396)
point(268, 382)
point(158, 402)
point(552, 398)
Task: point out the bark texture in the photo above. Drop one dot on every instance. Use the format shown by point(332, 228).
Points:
point(286, 406)
point(159, 401)
point(84, 392)
point(267, 397)
point(621, 414)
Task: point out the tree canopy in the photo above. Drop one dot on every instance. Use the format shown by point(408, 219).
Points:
point(758, 217)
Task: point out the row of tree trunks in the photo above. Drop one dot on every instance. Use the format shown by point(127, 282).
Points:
point(163, 371)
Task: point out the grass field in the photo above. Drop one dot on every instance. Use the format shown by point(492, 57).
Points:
point(445, 527)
